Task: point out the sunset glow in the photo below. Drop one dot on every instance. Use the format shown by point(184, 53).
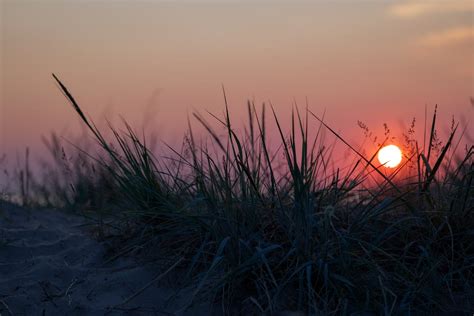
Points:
point(390, 156)
point(172, 57)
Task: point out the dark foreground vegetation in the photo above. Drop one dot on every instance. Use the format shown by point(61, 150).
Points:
point(260, 236)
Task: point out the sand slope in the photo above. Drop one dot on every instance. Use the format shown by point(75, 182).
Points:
point(49, 265)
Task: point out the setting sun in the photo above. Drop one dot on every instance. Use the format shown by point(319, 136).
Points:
point(390, 156)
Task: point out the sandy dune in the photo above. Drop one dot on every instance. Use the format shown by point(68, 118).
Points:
point(49, 265)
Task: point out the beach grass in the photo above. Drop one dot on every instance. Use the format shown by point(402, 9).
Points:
point(260, 229)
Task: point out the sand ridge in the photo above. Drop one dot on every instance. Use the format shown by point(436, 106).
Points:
point(49, 265)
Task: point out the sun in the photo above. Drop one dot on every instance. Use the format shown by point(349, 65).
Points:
point(390, 156)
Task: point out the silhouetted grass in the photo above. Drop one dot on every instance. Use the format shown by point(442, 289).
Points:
point(260, 237)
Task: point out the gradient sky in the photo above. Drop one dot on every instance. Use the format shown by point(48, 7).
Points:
point(375, 61)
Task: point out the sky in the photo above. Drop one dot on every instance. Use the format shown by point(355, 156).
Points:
point(156, 62)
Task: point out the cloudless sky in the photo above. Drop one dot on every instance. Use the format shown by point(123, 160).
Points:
point(375, 61)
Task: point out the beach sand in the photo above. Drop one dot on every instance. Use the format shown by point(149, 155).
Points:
point(51, 265)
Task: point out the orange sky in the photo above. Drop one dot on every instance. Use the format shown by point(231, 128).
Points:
point(373, 61)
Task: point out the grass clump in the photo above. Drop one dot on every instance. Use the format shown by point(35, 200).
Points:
point(260, 236)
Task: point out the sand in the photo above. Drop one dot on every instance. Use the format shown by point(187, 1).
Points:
point(51, 265)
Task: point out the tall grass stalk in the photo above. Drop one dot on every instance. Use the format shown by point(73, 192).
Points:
point(260, 237)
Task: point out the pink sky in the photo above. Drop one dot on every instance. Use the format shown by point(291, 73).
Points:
point(359, 60)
